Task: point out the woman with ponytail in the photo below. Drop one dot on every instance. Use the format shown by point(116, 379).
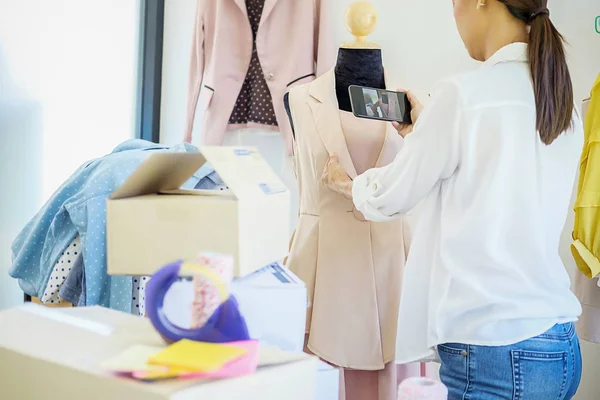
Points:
point(492, 161)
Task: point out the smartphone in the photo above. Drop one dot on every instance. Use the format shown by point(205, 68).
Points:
point(380, 104)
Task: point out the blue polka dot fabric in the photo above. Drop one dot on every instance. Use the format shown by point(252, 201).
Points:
point(79, 207)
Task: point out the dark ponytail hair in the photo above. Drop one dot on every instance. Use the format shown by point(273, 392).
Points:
point(551, 78)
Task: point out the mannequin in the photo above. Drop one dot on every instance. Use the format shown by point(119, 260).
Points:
point(358, 62)
point(354, 66)
point(361, 144)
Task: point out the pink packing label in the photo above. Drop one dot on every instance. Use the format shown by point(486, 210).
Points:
point(221, 264)
point(207, 297)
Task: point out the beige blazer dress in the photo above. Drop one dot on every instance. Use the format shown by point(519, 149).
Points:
point(352, 268)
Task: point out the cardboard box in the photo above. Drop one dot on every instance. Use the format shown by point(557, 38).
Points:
point(55, 354)
point(272, 300)
point(152, 222)
point(328, 382)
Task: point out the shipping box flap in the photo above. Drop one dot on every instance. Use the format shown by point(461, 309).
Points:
point(160, 172)
point(249, 221)
point(244, 171)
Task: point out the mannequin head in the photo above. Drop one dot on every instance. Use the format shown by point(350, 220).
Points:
point(361, 19)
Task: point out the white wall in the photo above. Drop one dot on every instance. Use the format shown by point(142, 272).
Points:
point(420, 46)
point(68, 82)
point(179, 27)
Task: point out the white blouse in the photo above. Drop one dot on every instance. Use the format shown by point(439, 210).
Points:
point(484, 267)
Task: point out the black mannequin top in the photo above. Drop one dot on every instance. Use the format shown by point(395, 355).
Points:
point(362, 67)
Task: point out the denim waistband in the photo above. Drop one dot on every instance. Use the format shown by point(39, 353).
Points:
point(559, 332)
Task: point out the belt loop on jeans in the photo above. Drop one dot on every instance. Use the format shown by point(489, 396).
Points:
point(570, 329)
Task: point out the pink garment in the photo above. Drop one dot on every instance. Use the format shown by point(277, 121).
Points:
point(292, 37)
point(335, 252)
point(343, 329)
point(364, 139)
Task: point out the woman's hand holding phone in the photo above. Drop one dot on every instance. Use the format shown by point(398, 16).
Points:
point(416, 108)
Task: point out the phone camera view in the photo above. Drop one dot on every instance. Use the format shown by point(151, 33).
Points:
point(383, 104)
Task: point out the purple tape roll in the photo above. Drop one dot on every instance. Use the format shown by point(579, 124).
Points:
point(225, 325)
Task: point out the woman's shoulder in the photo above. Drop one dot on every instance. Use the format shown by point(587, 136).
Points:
point(483, 87)
point(448, 93)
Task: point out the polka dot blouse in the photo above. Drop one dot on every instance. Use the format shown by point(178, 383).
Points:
point(61, 271)
point(254, 103)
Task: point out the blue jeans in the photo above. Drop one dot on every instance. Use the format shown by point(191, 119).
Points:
point(547, 367)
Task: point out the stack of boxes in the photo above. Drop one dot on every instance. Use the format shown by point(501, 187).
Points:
point(152, 222)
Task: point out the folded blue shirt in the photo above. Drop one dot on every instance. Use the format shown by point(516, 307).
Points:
point(79, 207)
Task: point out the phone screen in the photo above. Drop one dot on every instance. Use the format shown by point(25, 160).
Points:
point(380, 104)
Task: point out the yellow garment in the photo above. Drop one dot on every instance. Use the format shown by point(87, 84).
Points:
point(586, 234)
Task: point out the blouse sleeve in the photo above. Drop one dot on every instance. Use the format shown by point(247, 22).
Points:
point(430, 154)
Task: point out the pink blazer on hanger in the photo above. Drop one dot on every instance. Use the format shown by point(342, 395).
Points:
point(294, 46)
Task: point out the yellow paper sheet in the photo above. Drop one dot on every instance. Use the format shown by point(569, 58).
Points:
point(197, 356)
point(135, 358)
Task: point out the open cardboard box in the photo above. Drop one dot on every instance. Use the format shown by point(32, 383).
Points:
point(152, 222)
point(57, 353)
